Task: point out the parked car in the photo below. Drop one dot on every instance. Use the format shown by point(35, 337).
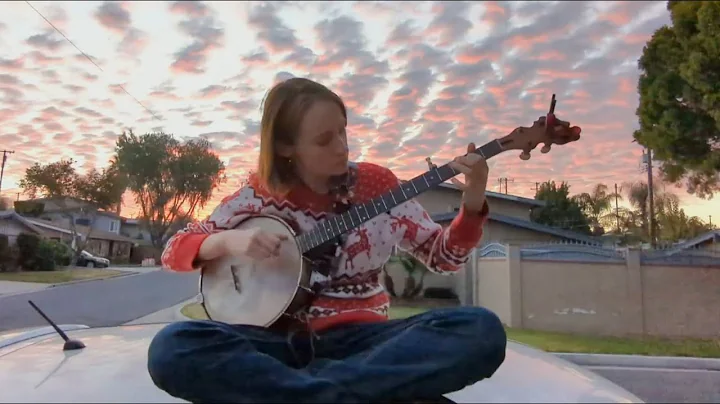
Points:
point(88, 260)
point(111, 367)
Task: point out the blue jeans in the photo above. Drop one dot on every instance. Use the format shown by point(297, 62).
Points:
point(420, 357)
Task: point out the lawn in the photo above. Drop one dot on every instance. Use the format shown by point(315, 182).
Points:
point(60, 276)
point(560, 342)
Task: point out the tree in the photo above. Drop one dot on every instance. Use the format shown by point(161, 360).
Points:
point(639, 197)
point(412, 266)
point(595, 205)
point(560, 210)
point(170, 180)
point(679, 85)
point(673, 223)
point(97, 190)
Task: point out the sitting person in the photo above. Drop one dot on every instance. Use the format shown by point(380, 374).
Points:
point(353, 353)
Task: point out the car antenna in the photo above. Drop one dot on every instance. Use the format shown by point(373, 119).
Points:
point(70, 344)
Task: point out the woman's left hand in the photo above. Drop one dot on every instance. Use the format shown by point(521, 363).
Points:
point(476, 172)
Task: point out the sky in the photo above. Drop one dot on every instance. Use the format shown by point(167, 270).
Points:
point(420, 79)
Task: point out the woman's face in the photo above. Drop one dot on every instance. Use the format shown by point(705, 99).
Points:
point(321, 149)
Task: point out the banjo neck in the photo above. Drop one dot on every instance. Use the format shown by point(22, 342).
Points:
point(335, 226)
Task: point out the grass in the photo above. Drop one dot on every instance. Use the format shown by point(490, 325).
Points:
point(59, 276)
point(650, 346)
point(562, 342)
point(194, 310)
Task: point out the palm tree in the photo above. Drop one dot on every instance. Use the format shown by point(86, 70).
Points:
point(638, 195)
point(388, 280)
point(412, 266)
point(595, 205)
point(673, 223)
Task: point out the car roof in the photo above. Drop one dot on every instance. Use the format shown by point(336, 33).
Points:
point(113, 368)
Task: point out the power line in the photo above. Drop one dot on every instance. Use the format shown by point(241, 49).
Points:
point(504, 180)
point(90, 59)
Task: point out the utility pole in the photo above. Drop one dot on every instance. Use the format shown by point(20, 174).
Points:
point(617, 209)
point(502, 180)
point(651, 198)
point(2, 169)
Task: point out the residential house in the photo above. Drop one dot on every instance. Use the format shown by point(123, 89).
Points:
point(706, 242)
point(509, 219)
point(131, 228)
point(13, 224)
point(508, 222)
point(101, 228)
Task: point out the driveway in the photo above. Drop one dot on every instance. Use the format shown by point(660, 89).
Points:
point(99, 303)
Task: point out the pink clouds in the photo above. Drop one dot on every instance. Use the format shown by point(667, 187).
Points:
point(424, 82)
point(201, 26)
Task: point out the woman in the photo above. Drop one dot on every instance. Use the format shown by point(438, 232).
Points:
point(354, 354)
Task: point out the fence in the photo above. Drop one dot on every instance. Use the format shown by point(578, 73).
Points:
point(600, 290)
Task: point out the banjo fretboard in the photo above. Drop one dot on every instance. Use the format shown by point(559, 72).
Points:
point(333, 227)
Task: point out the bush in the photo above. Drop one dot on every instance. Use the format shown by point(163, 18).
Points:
point(8, 255)
point(36, 254)
point(61, 252)
point(27, 245)
point(45, 256)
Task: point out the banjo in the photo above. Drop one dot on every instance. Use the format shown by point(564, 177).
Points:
point(274, 293)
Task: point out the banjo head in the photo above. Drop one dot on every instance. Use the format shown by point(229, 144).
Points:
point(245, 291)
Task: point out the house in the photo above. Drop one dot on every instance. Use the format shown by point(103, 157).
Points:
point(60, 211)
point(509, 219)
point(54, 218)
point(13, 224)
point(131, 228)
point(709, 242)
point(508, 222)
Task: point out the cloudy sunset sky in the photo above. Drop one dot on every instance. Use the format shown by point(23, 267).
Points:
point(420, 79)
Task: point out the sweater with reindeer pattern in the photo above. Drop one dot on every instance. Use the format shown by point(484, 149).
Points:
point(352, 292)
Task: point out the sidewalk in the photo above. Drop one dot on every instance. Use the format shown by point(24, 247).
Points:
point(13, 288)
point(8, 288)
point(170, 314)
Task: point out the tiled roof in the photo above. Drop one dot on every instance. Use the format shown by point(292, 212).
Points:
point(712, 234)
point(11, 214)
point(514, 198)
point(94, 234)
point(526, 224)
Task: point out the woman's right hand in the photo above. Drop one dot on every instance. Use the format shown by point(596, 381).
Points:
point(253, 243)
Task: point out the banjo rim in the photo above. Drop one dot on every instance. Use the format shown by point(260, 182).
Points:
point(300, 275)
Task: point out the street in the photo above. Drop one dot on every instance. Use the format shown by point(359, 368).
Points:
point(99, 303)
point(120, 300)
point(665, 385)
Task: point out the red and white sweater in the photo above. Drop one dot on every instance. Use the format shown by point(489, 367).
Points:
point(353, 293)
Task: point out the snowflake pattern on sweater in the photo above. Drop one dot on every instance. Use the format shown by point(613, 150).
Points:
point(353, 292)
